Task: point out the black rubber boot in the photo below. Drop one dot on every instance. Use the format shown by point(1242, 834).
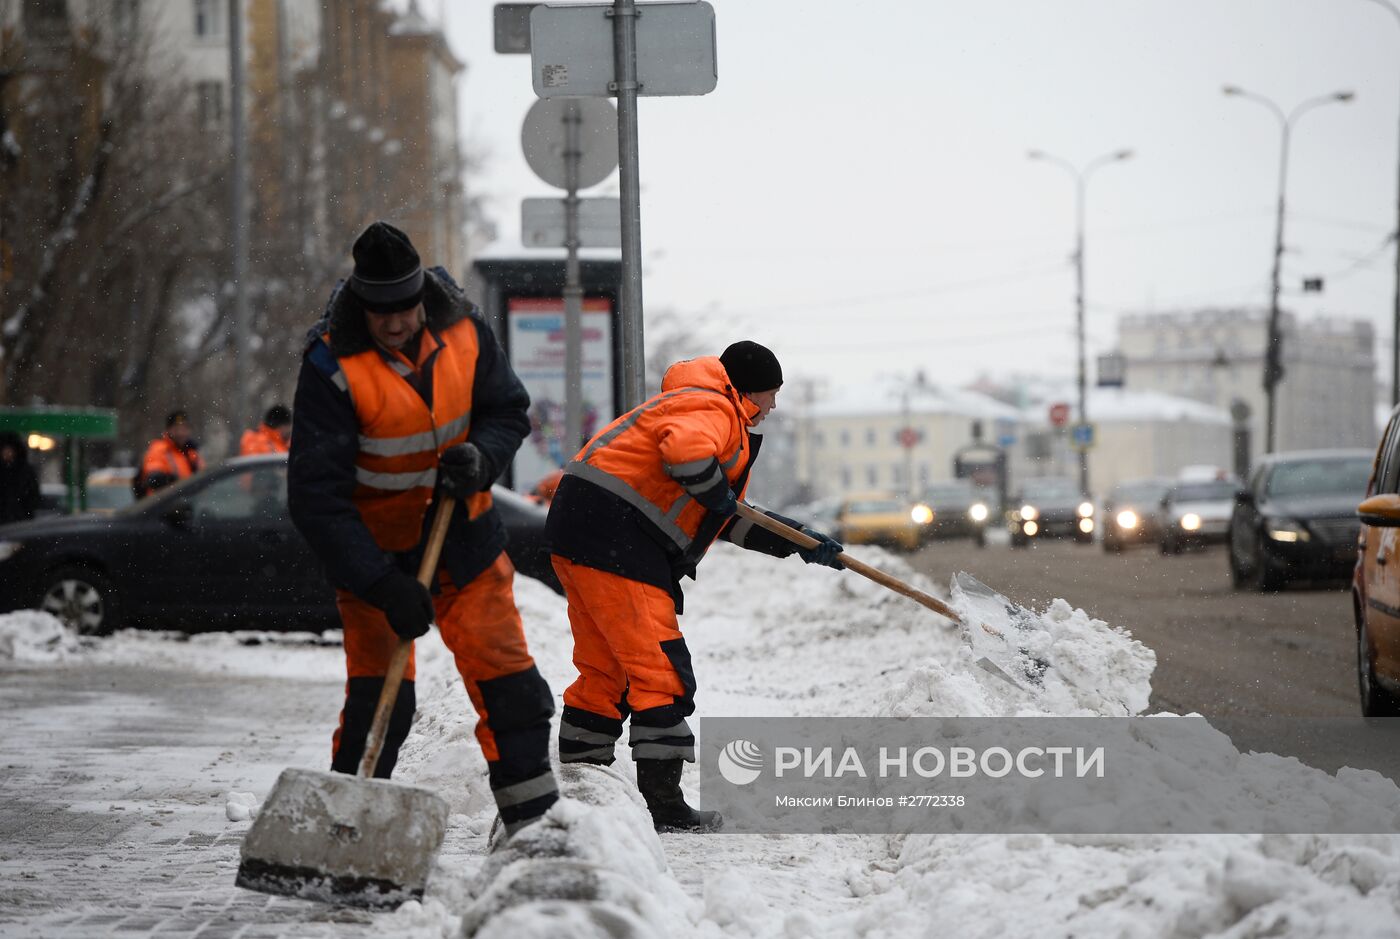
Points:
point(660, 784)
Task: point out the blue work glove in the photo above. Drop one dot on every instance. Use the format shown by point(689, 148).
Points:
point(465, 471)
point(824, 552)
point(719, 500)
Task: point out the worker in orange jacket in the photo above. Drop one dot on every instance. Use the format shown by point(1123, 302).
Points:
point(273, 435)
point(636, 510)
point(405, 398)
point(170, 457)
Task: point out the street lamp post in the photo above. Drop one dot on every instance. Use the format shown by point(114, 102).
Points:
point(1395, 318)
point(1273, 352)
point(1081, 182)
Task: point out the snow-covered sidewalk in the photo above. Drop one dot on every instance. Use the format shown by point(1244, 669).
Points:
point(137, 745)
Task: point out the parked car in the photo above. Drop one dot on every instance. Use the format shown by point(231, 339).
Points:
point(1375, 589)
point(1132, 513)
point(879, 518)
point(1195, 514)
point(957, 509)
point(218, 547)
point(1297, 518)
point(1050, 508)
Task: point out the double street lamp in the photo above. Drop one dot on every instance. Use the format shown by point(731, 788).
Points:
point(1273, 352)
point(1081, 181)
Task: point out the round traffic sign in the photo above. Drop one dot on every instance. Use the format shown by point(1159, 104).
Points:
point(909, 438)
point(1059, 414)
point(544, 139)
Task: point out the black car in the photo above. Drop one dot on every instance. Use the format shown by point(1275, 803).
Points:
point(1132, 513)
point(959, 510)
point(1297, 519)
point(1049, 508)
point(218, 547)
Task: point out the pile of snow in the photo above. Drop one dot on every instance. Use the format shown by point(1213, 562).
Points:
point(32, 636)
point(241, 806)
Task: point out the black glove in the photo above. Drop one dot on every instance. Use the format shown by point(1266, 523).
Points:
point(824, 552)
point(719, 500)
point(465, 471)
point(405, 602)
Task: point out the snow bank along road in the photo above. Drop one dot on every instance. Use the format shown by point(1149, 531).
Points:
point(131, 767)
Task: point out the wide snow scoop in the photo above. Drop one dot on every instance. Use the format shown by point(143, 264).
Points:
point(999, 631)
point(351, 839)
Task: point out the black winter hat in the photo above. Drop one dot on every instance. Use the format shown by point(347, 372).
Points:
point(751, 367)
point(388, 275)
point(279, 415)
point(176, 417)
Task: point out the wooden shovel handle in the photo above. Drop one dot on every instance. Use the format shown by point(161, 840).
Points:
point(374, 743)
point(865, 570)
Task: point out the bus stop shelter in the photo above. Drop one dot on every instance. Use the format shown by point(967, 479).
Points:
point(71, 427)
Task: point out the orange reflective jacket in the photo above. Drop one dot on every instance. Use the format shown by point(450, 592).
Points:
point(262, 439)
point(400, 438)
point(682, 441)
point(167, 457)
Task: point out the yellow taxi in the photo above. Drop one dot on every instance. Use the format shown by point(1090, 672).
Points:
point(882, 518)
point(1375, 585)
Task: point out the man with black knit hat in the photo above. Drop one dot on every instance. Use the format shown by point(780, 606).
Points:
point(636, 510)
point(404, 398)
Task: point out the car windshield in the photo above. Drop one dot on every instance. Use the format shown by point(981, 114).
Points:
point(1138, 493)
point(949, 492)
point(1321, 477)
point(1204, 492)
point(875, 506)
point(1049, 489)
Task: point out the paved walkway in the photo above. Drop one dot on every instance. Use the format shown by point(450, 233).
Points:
point(113, 783)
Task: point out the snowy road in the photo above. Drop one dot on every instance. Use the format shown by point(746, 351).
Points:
point(120, 758)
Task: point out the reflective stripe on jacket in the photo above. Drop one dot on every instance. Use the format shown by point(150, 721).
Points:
point(689, 439)
point(401, 436)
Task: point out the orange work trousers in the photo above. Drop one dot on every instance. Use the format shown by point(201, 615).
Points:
point(631, 659)
point(481, 626)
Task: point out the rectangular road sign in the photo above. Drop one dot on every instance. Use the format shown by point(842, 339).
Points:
point(512, 25)
point(599, 223)
point(571, 49)
point(1082, 436)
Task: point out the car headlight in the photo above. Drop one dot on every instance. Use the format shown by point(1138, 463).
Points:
point(978, 513)
point(1030, 528)
point(9, 549)
point(1127, 520)
point(1030, 513)
point(1191, 521)
point(1287, 531)
point(1086, 525)
point(921, 514)
point(1086, 509)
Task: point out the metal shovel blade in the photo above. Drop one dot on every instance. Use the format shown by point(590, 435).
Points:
point(1003, 634)
point(343, 839)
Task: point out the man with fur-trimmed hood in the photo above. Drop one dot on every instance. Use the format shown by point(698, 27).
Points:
point(405, 397)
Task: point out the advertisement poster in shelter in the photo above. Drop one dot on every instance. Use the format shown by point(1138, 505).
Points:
point(536, 342)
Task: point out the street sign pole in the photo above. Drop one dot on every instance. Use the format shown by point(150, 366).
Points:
point(624, 13)
point(573, 286)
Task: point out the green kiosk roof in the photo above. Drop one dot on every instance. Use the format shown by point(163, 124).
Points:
point(59, 421)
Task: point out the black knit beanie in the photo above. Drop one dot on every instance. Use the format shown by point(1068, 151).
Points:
point(388, 275)
point(279, 415)
point(751, 367)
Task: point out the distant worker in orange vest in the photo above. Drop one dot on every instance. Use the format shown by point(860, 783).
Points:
point(406, 398)
point(171, 457)
point(544, 490)
point(273, 435)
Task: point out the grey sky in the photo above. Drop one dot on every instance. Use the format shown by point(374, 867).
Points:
point(856, 192)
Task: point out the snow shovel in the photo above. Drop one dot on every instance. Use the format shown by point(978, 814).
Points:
point(347, 839)
point(999, 620)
